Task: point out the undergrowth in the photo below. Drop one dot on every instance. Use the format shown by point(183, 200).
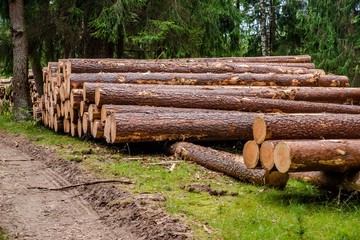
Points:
point(300, 211)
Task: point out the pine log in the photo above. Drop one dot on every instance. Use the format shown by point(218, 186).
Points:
point(267, 154)
point(85, 122)
point(134, 94)
point(197, 126)
point(97, 129)
point(227, 163)
point(316, 155)
point(76, 96)
point(311, 94)
point(73, 129)
point(107, 65)
point(116, 65)
point(349, 181)
point(107, 129)
point(77, 80)
point(79, 128)
point(93, 112)
point(251, 154)
point(83, 108)
point(306, 126)
point(107, 110)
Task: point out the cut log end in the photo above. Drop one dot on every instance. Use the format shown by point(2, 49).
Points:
point(282, 158)
point(276, 179)
point(251, 154)
point(112, 129)
point(267, 155)
point(97, 96)
point(259, 130)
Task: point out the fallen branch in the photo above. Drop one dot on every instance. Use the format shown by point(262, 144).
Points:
point(124, 181)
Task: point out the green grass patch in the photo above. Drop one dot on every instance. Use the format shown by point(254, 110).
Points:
point(3, 236)
point(300, 211)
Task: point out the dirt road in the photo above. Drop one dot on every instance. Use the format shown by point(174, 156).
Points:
point(101, 211)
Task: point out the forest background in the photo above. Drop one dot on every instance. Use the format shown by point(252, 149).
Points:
point(327, 30)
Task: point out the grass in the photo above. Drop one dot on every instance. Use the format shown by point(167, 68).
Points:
point(3, 235)
point(300, 211)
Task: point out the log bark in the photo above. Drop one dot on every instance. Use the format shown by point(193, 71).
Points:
point(251, 154)
point(252, 79)
point(134, 94)
point(349, 181)
point(227, 163)
point(316, 155)
point(306, 126)
point(117, 65)
point(196, 126)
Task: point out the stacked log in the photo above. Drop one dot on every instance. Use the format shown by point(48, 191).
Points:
point(280, 105)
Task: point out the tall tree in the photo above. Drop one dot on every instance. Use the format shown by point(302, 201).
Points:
point(22, 102)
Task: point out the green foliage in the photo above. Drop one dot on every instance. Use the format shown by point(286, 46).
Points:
point(5, 48)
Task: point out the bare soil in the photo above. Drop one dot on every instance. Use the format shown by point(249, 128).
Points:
point(33, 204)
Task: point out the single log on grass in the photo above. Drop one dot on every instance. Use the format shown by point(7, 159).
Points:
point(196, 126)
point(133, 94)
point(316, 155)
point(306, 126)
point(251, 154)
point(77, 80)
point(227, 163)
point(349, 181)
point(116, 65)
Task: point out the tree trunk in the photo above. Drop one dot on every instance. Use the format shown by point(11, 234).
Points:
point(263, 29)
point(317, 155)
point(184, 97)
point(22, 102)
point(349, 181)
point(227, 163)
point(272, 22)
point(196, 126)
point(37, 70)
point(306, 126)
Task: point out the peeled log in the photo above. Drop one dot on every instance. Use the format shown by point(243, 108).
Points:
point(133, 94)
point(227, 163)
point(77, 80)
point(316, 155)
point(306, 126)
point(197, 126)
point(349, 181)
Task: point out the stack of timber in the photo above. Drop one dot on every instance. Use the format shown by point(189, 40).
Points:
point(319, 148)
point(265, 100)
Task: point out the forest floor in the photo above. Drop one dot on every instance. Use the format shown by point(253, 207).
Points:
point(35, 205)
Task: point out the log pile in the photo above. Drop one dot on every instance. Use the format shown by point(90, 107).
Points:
point(262, 100)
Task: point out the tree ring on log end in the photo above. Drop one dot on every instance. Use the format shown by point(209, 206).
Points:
point(251, 154)
point(282, 158)
point(267, 155)
point(259, 130)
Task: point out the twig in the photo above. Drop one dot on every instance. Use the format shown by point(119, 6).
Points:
point(164, 162)
point(125, 181)
point(172, 167)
